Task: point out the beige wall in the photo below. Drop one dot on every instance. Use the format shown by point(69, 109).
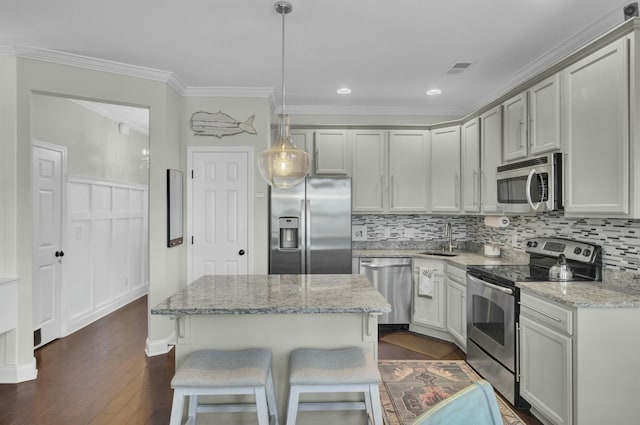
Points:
point(95, 147)
point(240, 109)
point(30, 77)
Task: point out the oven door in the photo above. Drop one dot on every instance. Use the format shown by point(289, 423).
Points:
point(491, 311)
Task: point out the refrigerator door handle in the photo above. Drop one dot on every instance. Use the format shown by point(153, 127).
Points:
point(303, 236)
point(307, 243)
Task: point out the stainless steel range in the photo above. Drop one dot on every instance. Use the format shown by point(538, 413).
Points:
point(493, 309)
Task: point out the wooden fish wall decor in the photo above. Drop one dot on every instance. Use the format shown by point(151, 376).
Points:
point(219, 124)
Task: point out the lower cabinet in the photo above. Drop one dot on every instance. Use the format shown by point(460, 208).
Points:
point(545, 369)
point(457, 306)
point(428, 309)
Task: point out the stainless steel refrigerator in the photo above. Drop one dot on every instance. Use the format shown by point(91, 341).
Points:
point(310, 227)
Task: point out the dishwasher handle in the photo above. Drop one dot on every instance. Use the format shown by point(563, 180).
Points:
point(383, 266)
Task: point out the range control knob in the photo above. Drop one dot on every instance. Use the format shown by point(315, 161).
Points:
point(529, 244)
point(586, 252)
point(577, 250)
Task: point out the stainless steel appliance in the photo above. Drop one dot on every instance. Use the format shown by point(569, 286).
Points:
point(392, 278)
point(310, 226)
point(493, 309)
point(531, 186)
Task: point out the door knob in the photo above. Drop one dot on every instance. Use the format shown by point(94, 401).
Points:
point(241, 252)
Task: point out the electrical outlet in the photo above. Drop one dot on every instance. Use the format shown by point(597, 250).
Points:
point(359, 232)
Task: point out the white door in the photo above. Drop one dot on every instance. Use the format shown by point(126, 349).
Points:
point(219, 213)
point(48, 162)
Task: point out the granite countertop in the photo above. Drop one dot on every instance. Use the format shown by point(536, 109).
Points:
point(462, 259)
point(584, 294)
point(275, 294)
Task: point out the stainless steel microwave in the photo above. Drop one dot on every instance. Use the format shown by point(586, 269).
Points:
point(530, 186)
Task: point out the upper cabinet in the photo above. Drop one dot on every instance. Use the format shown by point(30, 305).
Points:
point(471, 166)
point(369, 170)
point(445, 170)
point(331, 152)
point(531, 122)
point(408, 171)
point(515, 128)
point(491, 157)
point(595, 116)
point(544, 115)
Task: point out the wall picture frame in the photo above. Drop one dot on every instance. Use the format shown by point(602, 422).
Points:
point(174, 208)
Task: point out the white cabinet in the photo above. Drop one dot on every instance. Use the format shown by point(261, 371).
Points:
point(546, 359)
point(515, 128)
point(595, 116)
point(544, 115)
point(471, 166)
point(369, 175)
point(457, 305)
point(331, 152)
point(408, 171)
point(428, 311)
point(491, 157)
point(445, 170)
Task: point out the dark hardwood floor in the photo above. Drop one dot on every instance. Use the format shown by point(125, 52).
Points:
point(100, 375)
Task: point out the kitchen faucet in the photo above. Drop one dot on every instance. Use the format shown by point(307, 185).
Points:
point(448, 233)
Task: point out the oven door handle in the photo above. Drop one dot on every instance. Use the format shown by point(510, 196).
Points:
point(496, 287)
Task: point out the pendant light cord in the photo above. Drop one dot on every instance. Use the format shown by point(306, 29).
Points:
point(283, 89)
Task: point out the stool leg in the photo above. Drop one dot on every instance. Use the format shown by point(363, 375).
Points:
point(292, 409)
point(193, 408)
point(271, 398)
point(261, 406)
point(176, 407)
point(374, 393)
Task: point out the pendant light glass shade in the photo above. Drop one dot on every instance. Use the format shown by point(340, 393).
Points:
point(283, 164)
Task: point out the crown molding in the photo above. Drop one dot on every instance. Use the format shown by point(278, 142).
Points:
point(371, 110)
point(263, 92)
point(587, 35)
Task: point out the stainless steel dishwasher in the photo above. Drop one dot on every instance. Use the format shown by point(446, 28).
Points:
point(392, 278)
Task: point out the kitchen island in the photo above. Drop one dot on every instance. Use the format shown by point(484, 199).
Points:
point(279, 312)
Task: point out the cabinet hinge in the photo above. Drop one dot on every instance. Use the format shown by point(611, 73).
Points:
point(192, 174)
point(191, 240)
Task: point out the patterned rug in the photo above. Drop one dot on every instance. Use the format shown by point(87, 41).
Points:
point(410, 387)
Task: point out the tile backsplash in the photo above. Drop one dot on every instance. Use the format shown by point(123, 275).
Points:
point(619, 238)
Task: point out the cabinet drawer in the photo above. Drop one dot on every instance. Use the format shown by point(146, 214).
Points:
point(552, 315)
point(457, 275)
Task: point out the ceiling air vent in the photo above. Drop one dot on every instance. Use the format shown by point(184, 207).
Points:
point(458, 67)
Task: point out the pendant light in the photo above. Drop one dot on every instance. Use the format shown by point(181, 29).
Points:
point(283, 164)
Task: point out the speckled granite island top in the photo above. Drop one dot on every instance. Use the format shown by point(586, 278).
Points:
point(461, 259)
point(275, 294)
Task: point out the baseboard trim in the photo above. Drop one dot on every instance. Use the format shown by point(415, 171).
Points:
point(19, 373)
point(83, 320)
point(160, 346)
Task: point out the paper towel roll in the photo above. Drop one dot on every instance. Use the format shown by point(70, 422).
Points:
point(495, 221)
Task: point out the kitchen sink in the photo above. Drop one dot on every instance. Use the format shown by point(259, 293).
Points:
point(439, 253)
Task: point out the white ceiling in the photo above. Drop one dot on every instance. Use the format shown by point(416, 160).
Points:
point(388, 52)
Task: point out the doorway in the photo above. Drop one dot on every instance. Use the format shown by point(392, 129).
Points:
point(102, 257)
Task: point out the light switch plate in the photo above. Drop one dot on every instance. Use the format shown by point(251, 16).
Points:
point(359, 232)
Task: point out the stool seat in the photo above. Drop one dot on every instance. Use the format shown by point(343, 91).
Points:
point(340, 366)
point(342, 370)
point(224, 368)
point(217, 372)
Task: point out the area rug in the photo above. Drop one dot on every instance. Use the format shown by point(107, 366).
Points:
point(429, 347)
point(411, 387)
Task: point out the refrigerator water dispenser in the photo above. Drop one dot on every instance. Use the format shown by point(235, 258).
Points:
point(289, 232)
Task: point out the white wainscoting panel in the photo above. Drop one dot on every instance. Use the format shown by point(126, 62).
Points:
point(105, 264)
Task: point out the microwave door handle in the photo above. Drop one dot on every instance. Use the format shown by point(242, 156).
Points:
point(529, 178)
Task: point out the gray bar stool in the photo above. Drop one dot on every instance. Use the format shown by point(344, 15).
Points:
point(215, 372)
point(345, 370)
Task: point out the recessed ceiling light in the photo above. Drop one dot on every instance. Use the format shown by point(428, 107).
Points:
point(434, 92)
point(344, 90)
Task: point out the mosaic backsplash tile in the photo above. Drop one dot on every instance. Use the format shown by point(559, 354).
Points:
point(619, 238)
